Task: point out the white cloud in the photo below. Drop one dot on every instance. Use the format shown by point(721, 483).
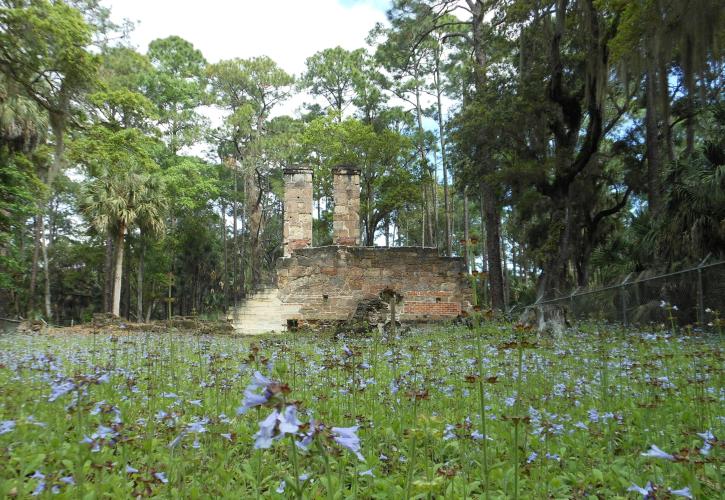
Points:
point(288, 31)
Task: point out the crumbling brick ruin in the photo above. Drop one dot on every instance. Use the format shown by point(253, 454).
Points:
point(327, 284)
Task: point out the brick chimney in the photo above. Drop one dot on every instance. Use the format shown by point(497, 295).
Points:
point(346, 193)
point(297, 231)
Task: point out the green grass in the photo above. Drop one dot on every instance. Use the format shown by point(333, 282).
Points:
point(594, 401)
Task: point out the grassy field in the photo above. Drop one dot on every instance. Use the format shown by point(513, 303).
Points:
point(447, 413)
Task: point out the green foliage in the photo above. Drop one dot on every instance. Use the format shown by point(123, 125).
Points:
point(192, 185)
point(177, 88)
point(332, 74)
point(124, 199)
point(19, 188)
point(387, 185)
point(587, 421)
point(42, 41)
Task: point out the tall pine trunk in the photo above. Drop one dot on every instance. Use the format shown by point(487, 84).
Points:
point(46, 275)
point(235, 240)
point(466, 235)
point(653, 143)
point(139, 280)
point(225, 276)
point(492, 214)
point(441, 133)
point(37, 232)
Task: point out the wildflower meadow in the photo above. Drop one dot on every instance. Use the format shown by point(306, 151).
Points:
point(493, 411)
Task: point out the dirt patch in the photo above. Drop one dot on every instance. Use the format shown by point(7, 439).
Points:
point(109, 324)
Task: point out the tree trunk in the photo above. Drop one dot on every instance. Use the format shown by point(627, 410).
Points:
point(432, 237)
point(441, 133)
point(654, 159)
point(506, 278)
point(492, 213)
point(235, 245)
point(37, 232)
point(423, 163)
point(108, 275)
point(150, 310)
point(369, 229)
point(46, 275)
point(466, 235)
point(116, 311)
point(491, 208)
point(424, 211)
point(139, 280)
point(126, 284)
point(664, 122)
point(555, 281)
point(434, 187)
point(241, 250)
point(225, 276)
point(484, 253)
point(387, 232)
point(689, 77)
point(256, 219)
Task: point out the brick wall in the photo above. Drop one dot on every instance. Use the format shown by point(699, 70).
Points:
point(326, 283)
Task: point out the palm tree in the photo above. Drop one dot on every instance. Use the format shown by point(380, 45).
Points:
point(118, 201)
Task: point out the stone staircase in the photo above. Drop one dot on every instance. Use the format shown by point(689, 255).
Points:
point(259, 313)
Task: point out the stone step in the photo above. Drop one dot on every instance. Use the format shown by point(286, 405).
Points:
point(259, 313)
point(258, 305)
point(259, 328)
point(257, 321)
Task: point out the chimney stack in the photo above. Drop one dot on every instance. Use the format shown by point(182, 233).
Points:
point(346, 193)
point(297, 231)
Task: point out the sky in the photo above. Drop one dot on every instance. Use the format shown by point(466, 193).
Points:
point(288, 31)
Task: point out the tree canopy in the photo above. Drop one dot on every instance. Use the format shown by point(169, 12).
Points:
point(554, 144)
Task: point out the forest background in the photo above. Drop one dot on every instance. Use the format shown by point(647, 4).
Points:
point(553, 144)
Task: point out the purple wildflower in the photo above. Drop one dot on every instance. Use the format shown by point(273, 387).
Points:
point(288, 423)
point(645, 492)
point(31, 420)
point(61, 389)
point(6, 426)
point(41, 483)
point(263, 438)
point(656, 452)
point(682, 492)
point(259, 381)
point(347, 438)
point(252, 398)
point(281, 487)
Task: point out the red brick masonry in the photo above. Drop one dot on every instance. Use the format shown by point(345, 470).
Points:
point(326, 283)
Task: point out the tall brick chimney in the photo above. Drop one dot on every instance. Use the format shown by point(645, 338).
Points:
point(346, 193)
point(297, 231)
